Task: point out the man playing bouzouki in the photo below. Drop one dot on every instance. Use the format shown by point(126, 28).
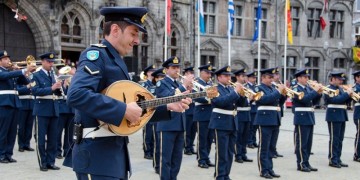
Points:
point(100, 154)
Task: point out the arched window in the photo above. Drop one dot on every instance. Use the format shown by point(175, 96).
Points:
point(71, 28)
point(313, 19)
point(173, 44)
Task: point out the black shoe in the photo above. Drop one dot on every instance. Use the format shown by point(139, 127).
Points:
point(210, 164)
point(274, 156)
point(334, 165)
point(278, 155)
point(43, 168)
point(245, 159)
point(157, 171)
point(203, 165)
point(148, 156)
point(239, 160)
point(256, 145)
point(53, 167)
point(274, 175)
point(21, 149)
point(193, 151)
point(343, 165)
point(311, 153)
point(266, 176)
point(28, 149)
point(11, 160)
point(305, 169)
point(251, 146)
point(188, 152)
point(356, 159)
point(59, 156)
point(312, 168)
point(4, 160)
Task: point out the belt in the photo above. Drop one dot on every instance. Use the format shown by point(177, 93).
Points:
point(271, 108)
point(62, 97)
point(243, 108)
point(26, 97)
point(3, 92)
point(102, 132)
point(309, 109)
point(224, 111)
point(199, 104)
point(51, 97)
point(340, 106)
point(253, 103)
point(357, 104)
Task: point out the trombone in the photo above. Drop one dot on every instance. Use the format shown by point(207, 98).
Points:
point(325, 90)
point(355, 96)
point(249, 92)
point(289, 92)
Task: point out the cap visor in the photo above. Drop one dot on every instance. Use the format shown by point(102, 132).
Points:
point(142, 29)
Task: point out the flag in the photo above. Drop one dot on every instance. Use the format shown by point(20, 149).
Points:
point(322, 20)
point(258, 17)
point(356, 54)
point(168, 8)
point(200, 9)
point(326, 3)
point(231, 17)
point(289, 23)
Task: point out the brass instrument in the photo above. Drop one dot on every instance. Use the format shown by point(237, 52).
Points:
point(249, 92)
point(289, 92)
point(325, 90)
point(197, 86)
point(59, 62)
point(355, 96)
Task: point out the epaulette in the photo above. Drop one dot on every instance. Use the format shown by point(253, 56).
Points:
point(98, 45)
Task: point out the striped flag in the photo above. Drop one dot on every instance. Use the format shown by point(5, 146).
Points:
point(168, 9)
point(231, 17)
point(289, 23)
point(200, 9)
point(258, 17)
point(322, 20)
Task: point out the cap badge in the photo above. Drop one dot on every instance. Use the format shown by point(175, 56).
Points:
point(164, 71)
point(244, 70)
point(175, 60)
point(273, 71)
point(5, 53)
point(153, 66)
point(342, 75)
point(210, 68)
point(228, 69)
point(143, 18)
point(51, 56)
point(307, 71)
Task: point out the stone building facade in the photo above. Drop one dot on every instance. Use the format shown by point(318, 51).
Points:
point(68, 27)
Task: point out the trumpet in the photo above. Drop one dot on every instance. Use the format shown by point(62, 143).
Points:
point(248, 92)
point(355, 96)
point(197, 86)
point(289, 92)
point(325, 90)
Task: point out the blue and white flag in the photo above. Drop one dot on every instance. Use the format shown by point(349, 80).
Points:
point(258, 17)
point(200, 9)
point(231, 17)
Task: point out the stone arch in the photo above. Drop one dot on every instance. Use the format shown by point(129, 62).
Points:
point(339, 4)
point(238, 64)
point(211, 44)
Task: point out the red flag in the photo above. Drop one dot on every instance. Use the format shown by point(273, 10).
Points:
point(322, 23)
point(168, 8)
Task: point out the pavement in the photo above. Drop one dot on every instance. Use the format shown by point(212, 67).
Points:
point(27, 166)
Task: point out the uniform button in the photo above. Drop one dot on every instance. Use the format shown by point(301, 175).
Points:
point(219, 117)
point(263, 112)
point(202, 108)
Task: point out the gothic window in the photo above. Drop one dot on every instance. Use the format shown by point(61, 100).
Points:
point(336, 18)
point(238, 20)
point(71, 28)
point(263, 21)
point(210, 16)
point(313, 20)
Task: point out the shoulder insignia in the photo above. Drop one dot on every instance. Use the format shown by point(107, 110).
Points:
point(98, 45)
point(33, 84)
point(354, 88)
point(0, 70)
point(257, 89)
point(143, 84)
point(158, 84)
point(88, 70)
point(92, 55)
point(295, 88)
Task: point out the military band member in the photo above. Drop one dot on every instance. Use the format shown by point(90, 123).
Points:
point(244, 120)
point(304, 118)
point(356, 117)
point(202, 114)
point(273, 144)
point(9, 105)
point(336, 116)
point(25, 117)
point(251, 83)
point(268, 119)
point(46, 111)
point(224, 122)
point(100, 66)
point(148, 141)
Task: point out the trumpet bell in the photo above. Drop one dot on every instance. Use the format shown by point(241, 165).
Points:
point(300, 95)
point(64, 70)
point(258, 95)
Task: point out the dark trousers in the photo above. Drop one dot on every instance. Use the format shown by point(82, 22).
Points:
point(253, 129)
point(273, 142)
point(82, 176)
point(46, 149)
point(171, 147)
point(8, 122)
point(148, 139)
point(205, 139)
point(336, 131)
point(303, 144)
point(266, 134)
point(26, 122)
point(66, 124)
point(241, 140)
point(156, 155)
point(225, 143)
point(357, 139)
point(190, 133)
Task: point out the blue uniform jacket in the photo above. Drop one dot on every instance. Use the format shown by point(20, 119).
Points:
point(243, 116)
point(252, 102)
point(202, 112)
point(310, 98)
point(63, 107)
point(41, 86)
point(226, 101)
point(27, 104)
point(271, 97)
point(9, 81)
point(336, 114)
point(356, 116)
point(164, 88)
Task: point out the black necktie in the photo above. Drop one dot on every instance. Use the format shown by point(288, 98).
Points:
point(50, 76)
point(176, 84)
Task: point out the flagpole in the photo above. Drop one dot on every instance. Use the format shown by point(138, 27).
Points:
point(198, 39)
point(259, 49)
point(165, 37)
point(229, 41)
point(285, 43)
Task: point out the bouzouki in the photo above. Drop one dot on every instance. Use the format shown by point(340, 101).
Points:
point(128, 91)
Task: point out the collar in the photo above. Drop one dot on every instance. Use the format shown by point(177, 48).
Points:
point(222, 85)
point(170, 78)
point(250, 83)
point(301, 85)
point(3, 68)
